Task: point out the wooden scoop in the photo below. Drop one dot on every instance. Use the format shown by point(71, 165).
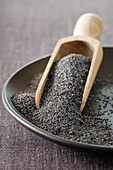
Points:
point(84, 41)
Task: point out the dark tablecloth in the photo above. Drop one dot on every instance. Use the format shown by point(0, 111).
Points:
point(30, 29)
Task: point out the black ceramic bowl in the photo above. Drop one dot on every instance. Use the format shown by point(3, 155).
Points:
point(19, 80)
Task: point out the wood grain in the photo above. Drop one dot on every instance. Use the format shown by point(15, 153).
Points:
point(30, 29)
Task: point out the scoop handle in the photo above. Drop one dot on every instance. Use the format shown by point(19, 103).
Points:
point(88, 25)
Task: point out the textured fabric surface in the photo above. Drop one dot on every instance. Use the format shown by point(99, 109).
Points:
point(30, 29)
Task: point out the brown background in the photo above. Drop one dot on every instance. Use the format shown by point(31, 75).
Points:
point(30, 29)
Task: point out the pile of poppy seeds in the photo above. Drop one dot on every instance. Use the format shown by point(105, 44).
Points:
point(61, 100)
